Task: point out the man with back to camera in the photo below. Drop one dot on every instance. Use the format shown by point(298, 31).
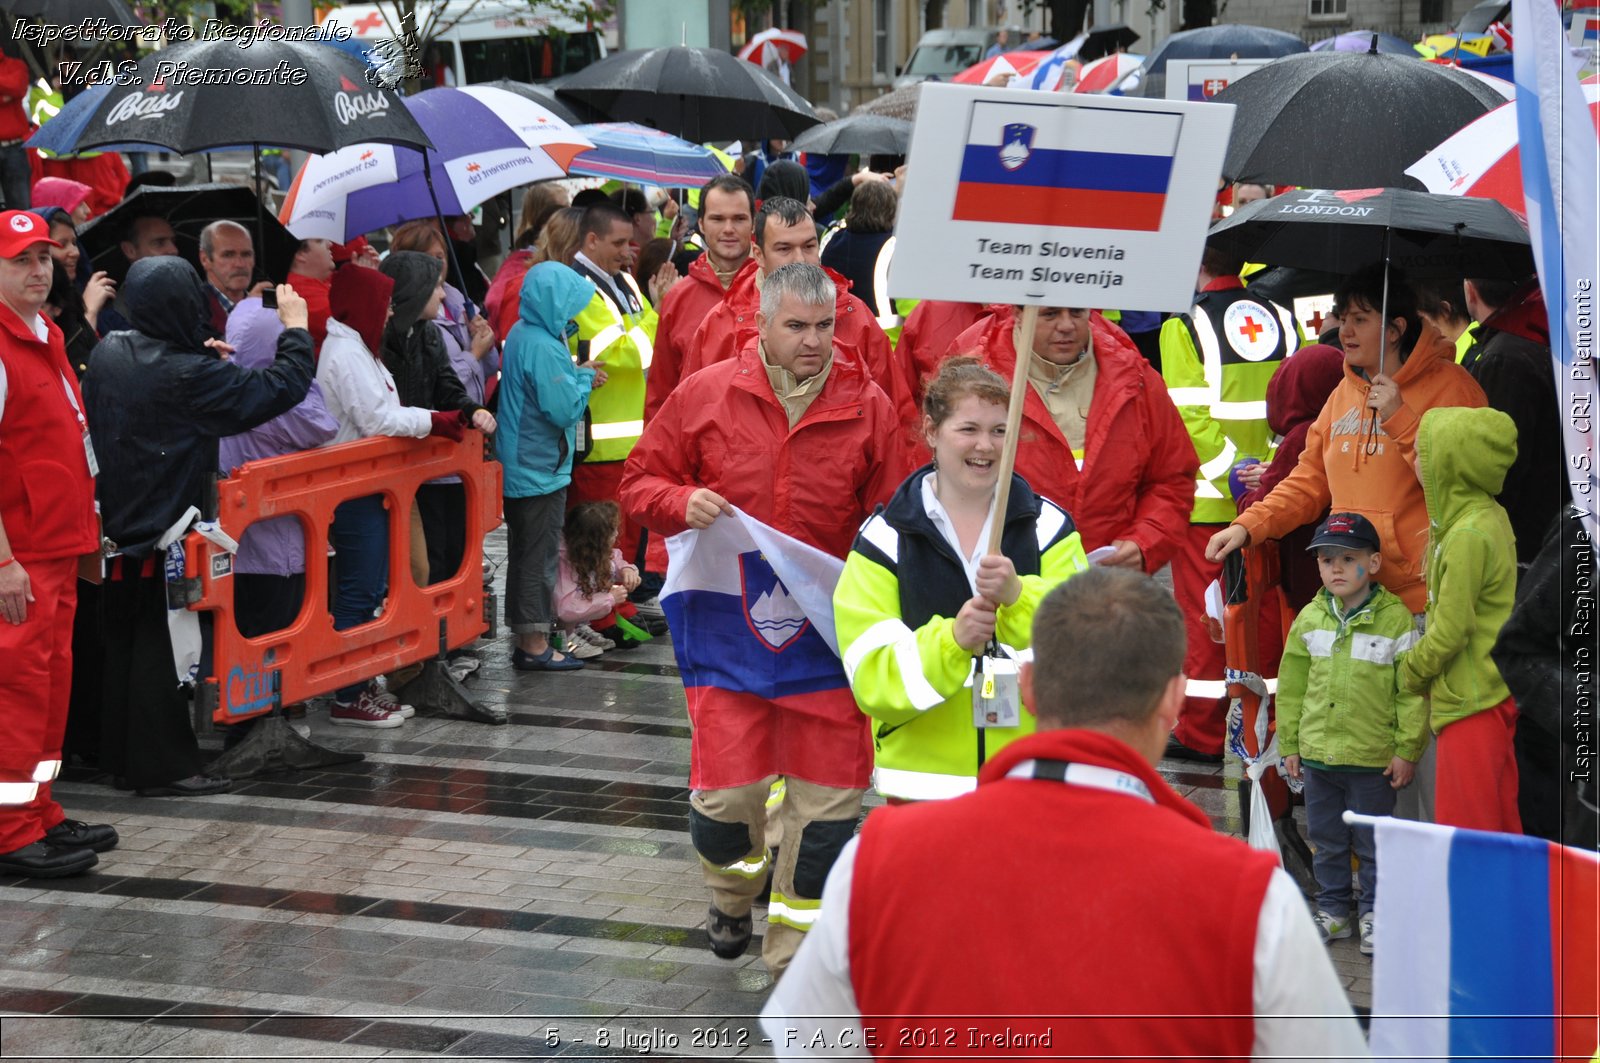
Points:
point(1085, 888)
point(47, 522)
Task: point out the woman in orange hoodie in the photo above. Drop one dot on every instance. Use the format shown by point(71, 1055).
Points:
point(1353, 465)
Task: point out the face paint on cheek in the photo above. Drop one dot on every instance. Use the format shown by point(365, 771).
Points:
point(1361, 572)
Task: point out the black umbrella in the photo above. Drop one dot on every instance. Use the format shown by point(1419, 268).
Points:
point(862, 133)
point(1427, 235)
point(188, 209)
point(285, 94)
point(1105, 40)
point(569, 111)
point(1345, 119)
point(699, 94)
point(1224, 42)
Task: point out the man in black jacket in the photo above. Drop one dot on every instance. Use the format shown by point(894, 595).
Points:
point(158, 398)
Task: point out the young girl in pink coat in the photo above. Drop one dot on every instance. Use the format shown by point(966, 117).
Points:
point(593, 581)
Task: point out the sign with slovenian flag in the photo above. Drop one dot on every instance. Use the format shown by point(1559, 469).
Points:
point(751, 614)
point(1487, 945)
point(1057, 199)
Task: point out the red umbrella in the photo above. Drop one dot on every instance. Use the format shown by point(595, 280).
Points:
point(1105, 74)
point(788, 45)
point(1482, 159)
point(1008, 64)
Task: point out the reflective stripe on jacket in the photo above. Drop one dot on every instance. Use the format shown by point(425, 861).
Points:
point(895, 607)
point(1217, 363)
point(625, 342)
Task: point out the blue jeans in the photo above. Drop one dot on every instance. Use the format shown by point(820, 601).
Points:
point(360, 537)
point(1329, 794)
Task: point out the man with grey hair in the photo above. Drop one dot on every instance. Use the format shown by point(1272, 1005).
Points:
point(1074, 883)
point(228, 259)
point(806, 443)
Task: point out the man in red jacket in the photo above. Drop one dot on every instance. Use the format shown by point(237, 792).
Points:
point(1100, 437)
point(800, 439)
point(1074, 882)
point(786, 233)
point(926, 337)
point(47, 522)
point(727, 217)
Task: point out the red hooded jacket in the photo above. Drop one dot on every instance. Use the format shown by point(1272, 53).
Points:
point(732, 323)
point(681, 314)
point(1137, 481)
point(724, 429)
point(505, 292)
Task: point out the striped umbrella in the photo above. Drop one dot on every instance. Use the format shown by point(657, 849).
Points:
point(1102, 75)
point(487, 140)
point(1482, 159)
point(1009, 65)
point(625, 151)
point(764, 47)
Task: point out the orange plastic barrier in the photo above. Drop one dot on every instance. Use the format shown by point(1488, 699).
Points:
point(251, 676)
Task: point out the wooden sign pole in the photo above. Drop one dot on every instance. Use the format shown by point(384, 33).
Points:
point(1008, 454)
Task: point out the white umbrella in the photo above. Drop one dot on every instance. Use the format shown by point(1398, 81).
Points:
point(488, 141)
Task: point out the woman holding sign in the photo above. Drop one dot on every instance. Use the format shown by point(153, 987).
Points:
point(930, 623)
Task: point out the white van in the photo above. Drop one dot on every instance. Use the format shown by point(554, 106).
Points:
point(484, 41)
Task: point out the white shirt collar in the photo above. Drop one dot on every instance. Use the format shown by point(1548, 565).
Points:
point(947, 527)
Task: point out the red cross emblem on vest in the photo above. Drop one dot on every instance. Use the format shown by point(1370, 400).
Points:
point(1250, 330)
point(367, 23)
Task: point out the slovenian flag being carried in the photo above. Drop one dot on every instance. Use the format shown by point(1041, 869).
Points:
point(1487, 945)
point(751, 613)
point(1041, 164)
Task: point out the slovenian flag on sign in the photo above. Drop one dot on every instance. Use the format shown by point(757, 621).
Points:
point(751, 614)
point(1037, 164)
point(1486, 946)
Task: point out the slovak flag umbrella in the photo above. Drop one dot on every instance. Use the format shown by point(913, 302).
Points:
point(486, 141)
point(1482, 158)
point(1103, 75)
point(787, 45)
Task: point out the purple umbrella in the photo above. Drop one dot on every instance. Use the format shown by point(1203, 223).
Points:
point(1361, 41)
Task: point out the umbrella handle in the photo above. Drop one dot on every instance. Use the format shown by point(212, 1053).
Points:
point(1371, 445)
point(469, 308)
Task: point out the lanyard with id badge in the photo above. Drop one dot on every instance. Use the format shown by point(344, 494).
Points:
point(996, 691)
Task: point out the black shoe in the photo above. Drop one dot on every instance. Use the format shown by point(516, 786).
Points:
point(623, 640)
point(1176, 750)
point(729, 935)
point(193, 786)
point(76, 834)
point(43, 860)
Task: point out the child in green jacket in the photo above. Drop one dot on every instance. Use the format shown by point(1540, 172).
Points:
point(1462, 459)
point(1345, 726)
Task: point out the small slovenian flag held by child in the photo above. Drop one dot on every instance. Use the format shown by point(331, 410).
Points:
point(1080, 166)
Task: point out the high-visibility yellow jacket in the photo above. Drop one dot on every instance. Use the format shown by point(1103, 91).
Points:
point(894, 608)
point(1217, 362)
point(624, 339)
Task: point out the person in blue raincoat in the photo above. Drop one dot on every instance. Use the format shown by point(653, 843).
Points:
point(542, 399)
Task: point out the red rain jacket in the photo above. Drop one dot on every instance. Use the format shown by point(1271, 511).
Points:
point(732, 324)
point(1137, 480)
point(681, 313)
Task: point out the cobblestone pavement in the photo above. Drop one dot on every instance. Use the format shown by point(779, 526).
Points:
point(524, 891)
